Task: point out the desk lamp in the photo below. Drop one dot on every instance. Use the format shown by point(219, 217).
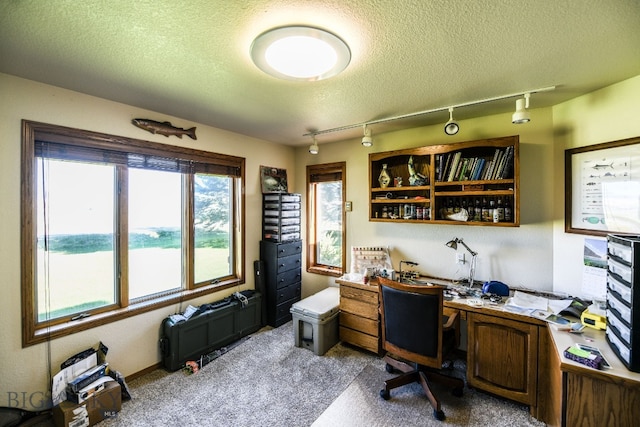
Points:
point(453, 244)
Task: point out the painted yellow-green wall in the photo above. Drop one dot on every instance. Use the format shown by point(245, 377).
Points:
point(609, 114)
point(519, 256)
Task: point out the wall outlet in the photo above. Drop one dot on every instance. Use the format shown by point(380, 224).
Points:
point(459, 258)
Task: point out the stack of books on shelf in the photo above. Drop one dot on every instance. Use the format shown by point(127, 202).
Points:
point(454, 167)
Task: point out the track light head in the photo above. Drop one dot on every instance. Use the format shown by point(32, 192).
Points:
point(313, 148)
point(521, 114)
point(451, 127)
point(367, 141)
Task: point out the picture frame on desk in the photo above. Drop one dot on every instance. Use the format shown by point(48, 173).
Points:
point(602, 188)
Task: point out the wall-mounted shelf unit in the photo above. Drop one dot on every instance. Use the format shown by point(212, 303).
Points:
point(434, 184)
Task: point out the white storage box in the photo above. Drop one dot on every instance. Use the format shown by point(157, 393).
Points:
point(315, 321)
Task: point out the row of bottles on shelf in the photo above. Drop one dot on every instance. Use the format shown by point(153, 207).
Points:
point(404, 211)
point(480, 209)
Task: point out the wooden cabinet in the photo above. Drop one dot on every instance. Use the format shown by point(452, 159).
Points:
point(430, 184)
point(502, 357)
point(359, 315)
point(282, 274)
point(582, 396)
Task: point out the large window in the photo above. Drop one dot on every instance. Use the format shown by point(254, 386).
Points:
point(113, 227)
point(326, 227)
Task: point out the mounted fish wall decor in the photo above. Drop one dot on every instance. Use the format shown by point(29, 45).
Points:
point(164, 128)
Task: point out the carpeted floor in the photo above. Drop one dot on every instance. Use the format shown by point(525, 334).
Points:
point(267, 381)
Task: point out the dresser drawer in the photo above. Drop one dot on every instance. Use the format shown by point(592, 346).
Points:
point(288, 292)
point(286, 263)
point(287, 249)
point(288, 277)
point(283, 310)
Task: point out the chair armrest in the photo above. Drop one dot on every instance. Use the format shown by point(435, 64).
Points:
point(453, 319)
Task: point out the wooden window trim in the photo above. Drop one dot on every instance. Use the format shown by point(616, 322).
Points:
point(32, 332)
point(323, 173)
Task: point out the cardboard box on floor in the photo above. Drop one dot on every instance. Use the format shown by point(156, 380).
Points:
point(104, 404)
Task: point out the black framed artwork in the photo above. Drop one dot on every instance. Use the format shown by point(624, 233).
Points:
point(273, 180)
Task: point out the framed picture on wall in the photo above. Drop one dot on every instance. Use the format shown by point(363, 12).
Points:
point(602, 188)
point(273, 180)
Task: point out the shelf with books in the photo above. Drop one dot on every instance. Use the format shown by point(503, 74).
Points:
point(447, 184)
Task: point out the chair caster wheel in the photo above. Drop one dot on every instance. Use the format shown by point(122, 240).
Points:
point(438, 415)
point(388, 368)
point(384, 394)
point(457, 392)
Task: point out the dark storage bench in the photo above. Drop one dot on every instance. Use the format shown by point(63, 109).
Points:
point(209, 330)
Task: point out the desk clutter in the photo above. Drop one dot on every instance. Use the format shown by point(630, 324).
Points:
point(589, 356)
point(86, 390)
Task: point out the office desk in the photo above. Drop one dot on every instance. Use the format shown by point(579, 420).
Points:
point(503, 352)
point(502, 347)
point(582, 396)
point(517, 357)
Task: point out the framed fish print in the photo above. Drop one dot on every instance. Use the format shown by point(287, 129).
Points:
point(273, 180)
point(602, 188)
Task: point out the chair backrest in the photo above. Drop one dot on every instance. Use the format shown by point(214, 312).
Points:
point(412, 321)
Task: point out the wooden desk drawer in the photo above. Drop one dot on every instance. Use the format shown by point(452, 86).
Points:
point(370, 297)
point(361, 324)
point(359, 308)
point(359, 339)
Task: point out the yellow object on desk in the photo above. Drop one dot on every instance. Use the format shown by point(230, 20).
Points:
point(593, 320)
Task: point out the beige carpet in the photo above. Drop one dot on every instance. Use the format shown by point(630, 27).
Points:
point(267, 381)
point(360, 405)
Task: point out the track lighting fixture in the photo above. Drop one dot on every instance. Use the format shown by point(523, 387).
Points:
point(313, 148)
point(366, 139)
point(521, 115)
point(451, 127)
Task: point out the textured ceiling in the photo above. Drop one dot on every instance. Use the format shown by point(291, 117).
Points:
point(191, 59)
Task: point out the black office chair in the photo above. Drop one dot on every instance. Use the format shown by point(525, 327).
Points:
point(414, 328)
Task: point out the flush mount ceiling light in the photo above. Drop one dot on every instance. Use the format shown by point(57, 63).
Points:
point(313, 148)
point(367, 141)
point(451, 127)
point(300, 53)
point(521, 115)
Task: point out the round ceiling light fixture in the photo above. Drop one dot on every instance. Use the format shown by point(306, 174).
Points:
point(300, 53)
